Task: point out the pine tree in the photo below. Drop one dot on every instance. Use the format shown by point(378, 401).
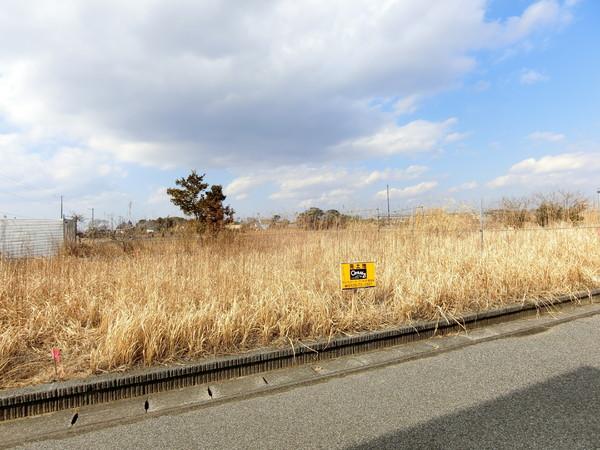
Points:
point(206, 206)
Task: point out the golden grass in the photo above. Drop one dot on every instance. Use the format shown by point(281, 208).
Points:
point(167, 301)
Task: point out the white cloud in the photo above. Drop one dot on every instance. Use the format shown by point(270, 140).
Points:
point(101, 201)
point(482, 85)
point(551, 169)
point(334, 198)
point(318, 185)
point(555, 163)
point(455, 137)
point(264, 83)
point(415, 137)
point(89, 86)
point(375, 176)
point(158, 196)
point(240, 186)
point(467, 186)
point(66, 170)
point(406, 105)
point(409, 191)
point(530, 76)
point(540, 14)
point(546, 136)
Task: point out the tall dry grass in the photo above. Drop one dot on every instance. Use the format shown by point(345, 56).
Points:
point(112, 306)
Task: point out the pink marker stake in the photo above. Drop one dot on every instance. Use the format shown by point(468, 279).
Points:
point(56, 358)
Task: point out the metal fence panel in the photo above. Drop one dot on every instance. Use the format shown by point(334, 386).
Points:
point(32, 238)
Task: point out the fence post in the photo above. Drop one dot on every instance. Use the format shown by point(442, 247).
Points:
point(481, 222)
point(388, 204)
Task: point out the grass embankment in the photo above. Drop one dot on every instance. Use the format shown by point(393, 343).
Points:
point(167, 301)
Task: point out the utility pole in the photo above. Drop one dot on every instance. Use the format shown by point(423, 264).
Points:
point(92, 223)
point(388, 202)
point(62, 216)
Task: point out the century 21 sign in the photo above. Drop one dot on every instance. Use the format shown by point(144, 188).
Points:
point(357, 275)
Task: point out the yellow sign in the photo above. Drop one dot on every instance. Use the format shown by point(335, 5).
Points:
point(357, 275)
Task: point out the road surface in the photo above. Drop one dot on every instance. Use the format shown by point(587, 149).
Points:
point(534, 391)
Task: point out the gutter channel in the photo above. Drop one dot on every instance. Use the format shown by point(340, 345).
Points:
point(51, 397)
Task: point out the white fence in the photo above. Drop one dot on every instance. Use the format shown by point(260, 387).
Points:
point(33, 238)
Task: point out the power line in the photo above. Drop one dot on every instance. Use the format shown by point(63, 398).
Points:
point(20, 197)
point(9, 178)
point(17, 196)
point(16, 215)
point(2, 175)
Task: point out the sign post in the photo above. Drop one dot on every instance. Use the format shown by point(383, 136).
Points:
point(357, 275)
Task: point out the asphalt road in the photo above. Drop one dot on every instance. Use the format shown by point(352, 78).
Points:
point(534, 391)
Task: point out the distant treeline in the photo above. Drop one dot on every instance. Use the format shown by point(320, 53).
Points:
point(541, 209)
point(317, 219)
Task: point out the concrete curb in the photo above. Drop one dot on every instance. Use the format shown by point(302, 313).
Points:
point(40, 399)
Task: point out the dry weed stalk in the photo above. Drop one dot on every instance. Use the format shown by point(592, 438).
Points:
point(110, 308)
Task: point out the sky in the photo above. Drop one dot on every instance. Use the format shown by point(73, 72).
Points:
point(291, 104)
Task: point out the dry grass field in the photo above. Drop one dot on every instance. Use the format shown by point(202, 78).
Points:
point(111, 307)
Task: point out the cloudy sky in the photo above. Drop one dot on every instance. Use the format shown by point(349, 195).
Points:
point(295, 103)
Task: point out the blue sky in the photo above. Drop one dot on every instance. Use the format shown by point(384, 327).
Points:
point(291, 104)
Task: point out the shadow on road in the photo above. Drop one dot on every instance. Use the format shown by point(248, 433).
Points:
point(563, 412)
